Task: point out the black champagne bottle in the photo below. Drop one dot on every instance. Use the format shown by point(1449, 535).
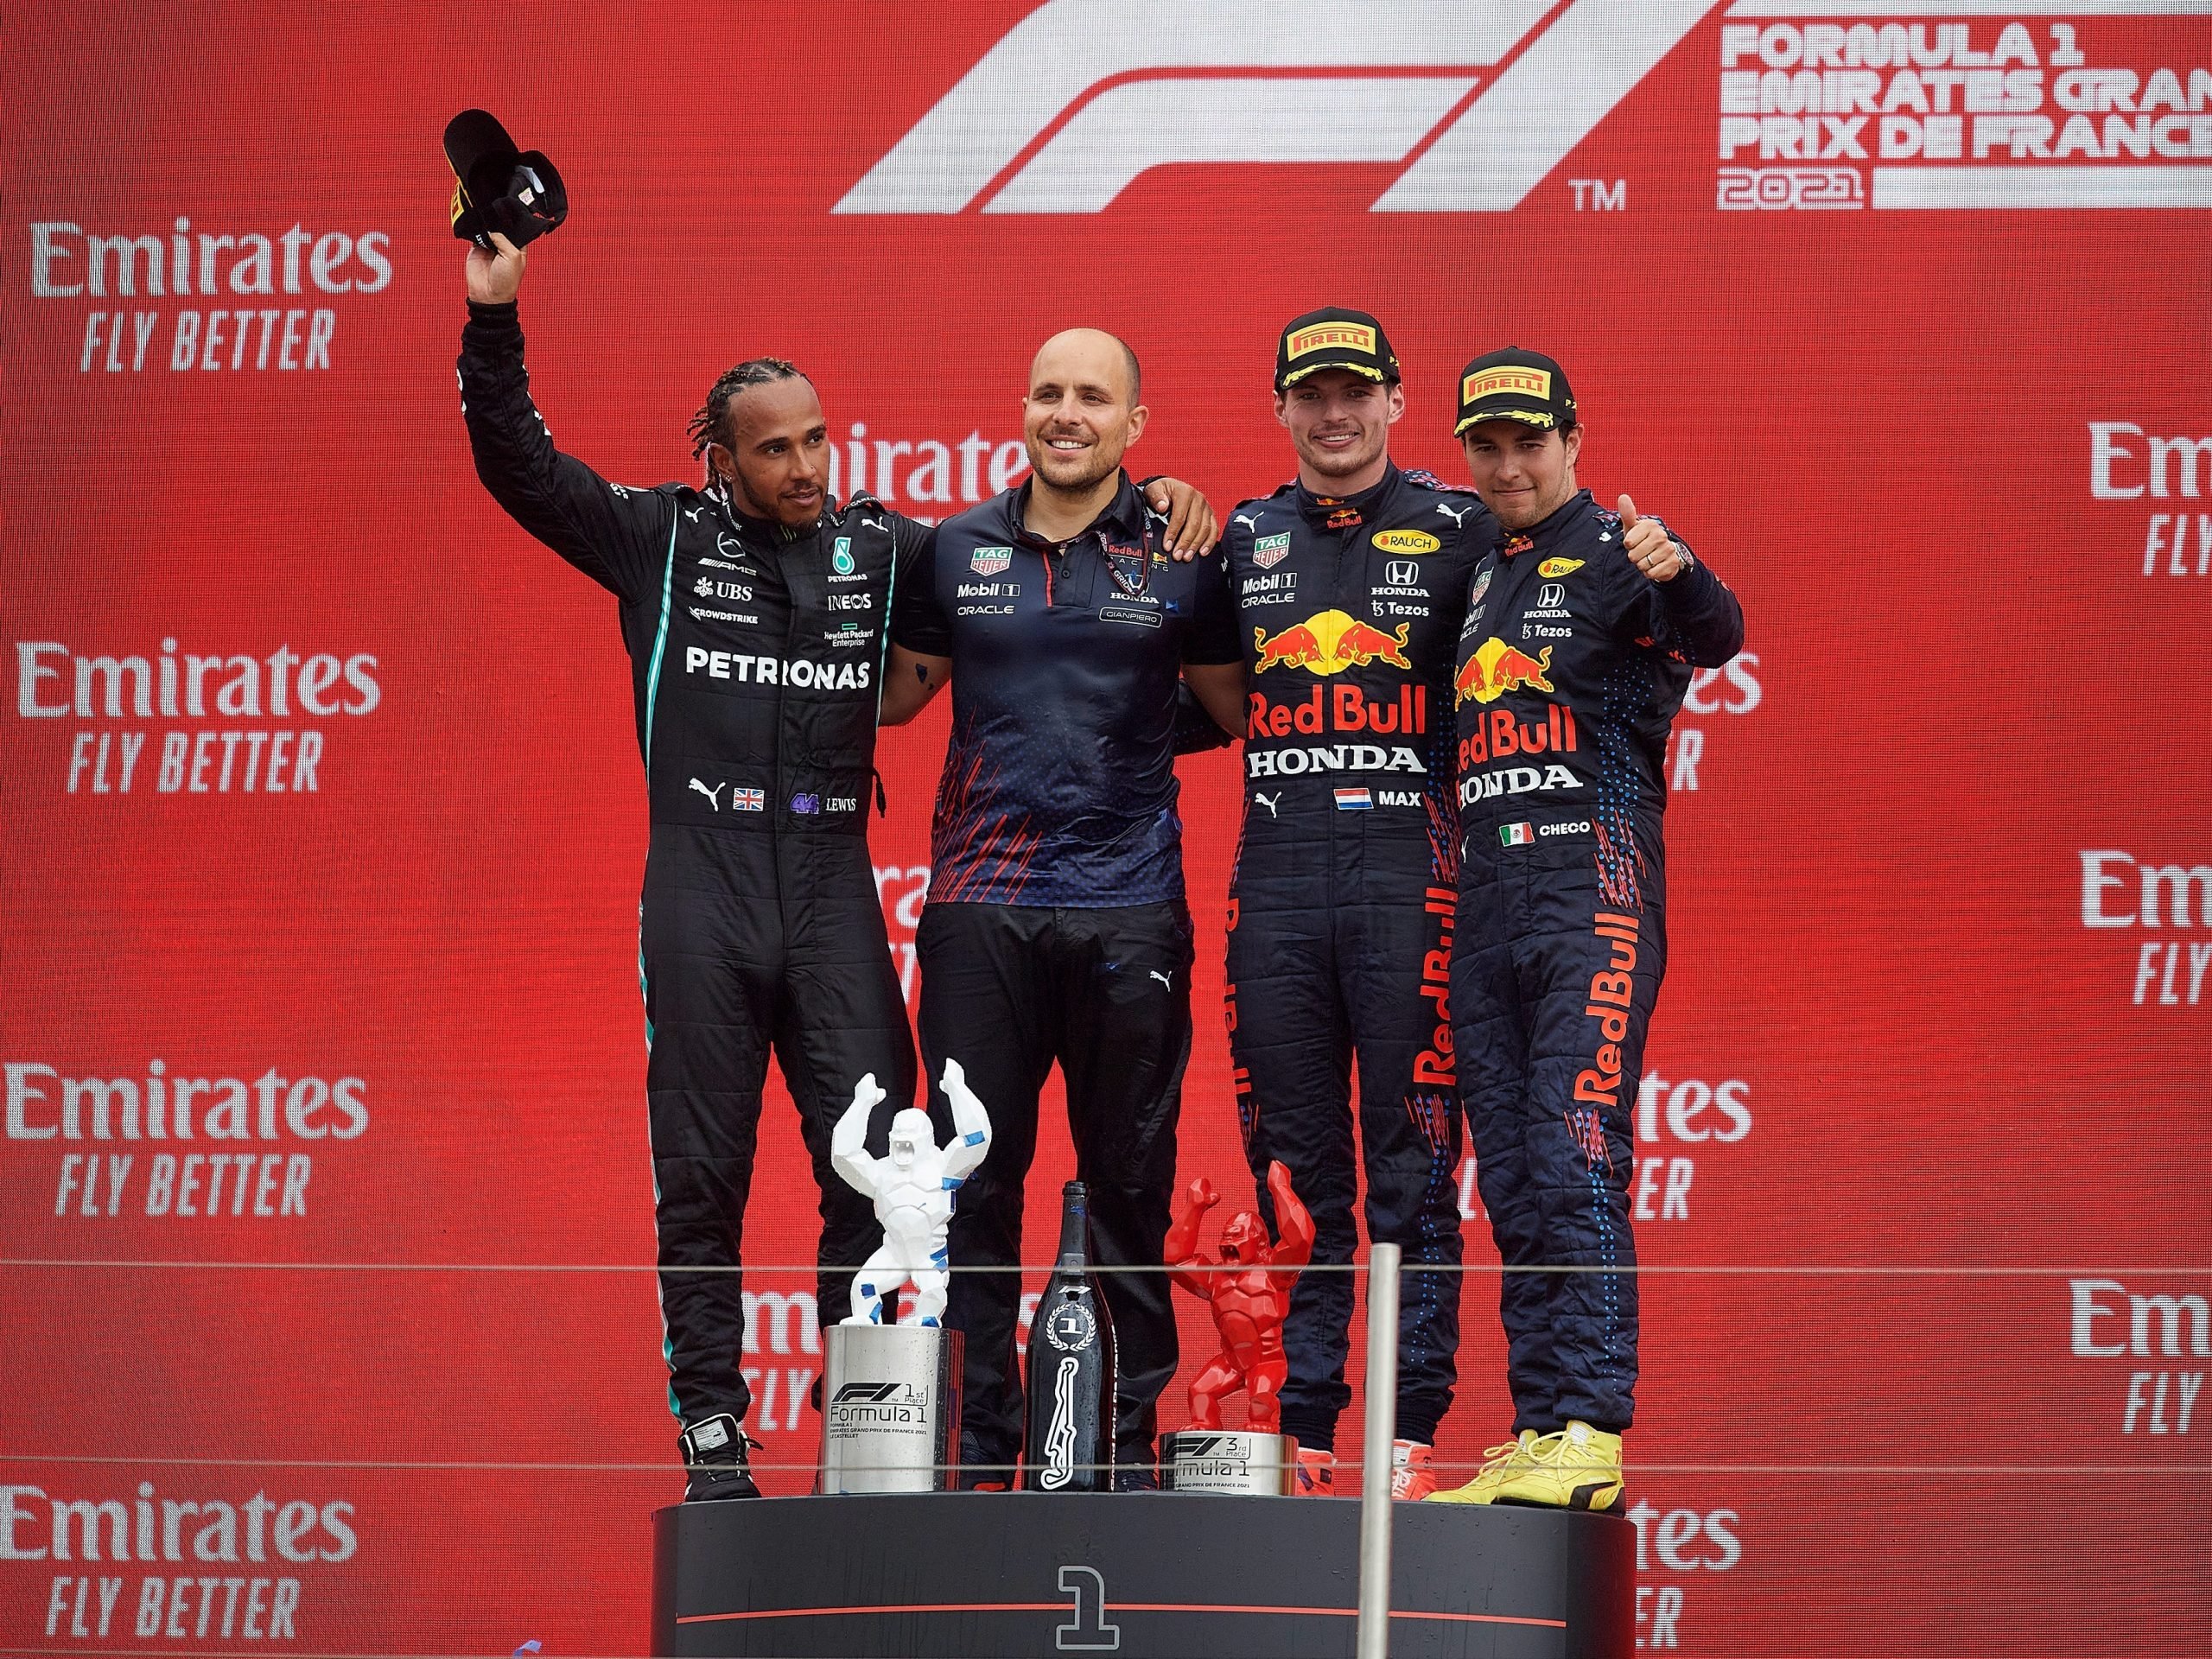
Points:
point(1068, 1446)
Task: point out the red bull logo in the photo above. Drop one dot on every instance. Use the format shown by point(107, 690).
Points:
point(1330, 642)
point(1497, 668)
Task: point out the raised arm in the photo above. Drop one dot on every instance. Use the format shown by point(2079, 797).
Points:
point(848, 1141)
point(1702, 618)
point(617, 536)
point(972, 1126)
point(1180, 1248)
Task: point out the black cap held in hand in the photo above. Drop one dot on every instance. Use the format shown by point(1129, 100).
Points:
point(1515, 385)
point(519, 194)
point(1334, 338)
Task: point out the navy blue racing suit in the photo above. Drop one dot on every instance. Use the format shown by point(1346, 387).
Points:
point(1571, 665)
point(1341, 906)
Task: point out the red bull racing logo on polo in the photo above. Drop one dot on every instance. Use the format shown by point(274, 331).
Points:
point(1329, 642)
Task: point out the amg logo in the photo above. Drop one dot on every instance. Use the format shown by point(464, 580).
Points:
point(1132, 73)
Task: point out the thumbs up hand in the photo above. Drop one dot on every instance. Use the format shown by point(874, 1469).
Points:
point(1650, 549)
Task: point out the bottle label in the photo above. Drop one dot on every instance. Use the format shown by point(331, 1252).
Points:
point(1071, 1327)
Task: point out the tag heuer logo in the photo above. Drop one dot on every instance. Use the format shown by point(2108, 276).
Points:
point(1270, 551)
point(990, 561)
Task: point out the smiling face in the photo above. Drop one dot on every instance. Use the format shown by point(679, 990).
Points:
point(1080, 413)
point(1524, 474)
point(1339, 424)
point(774, 455)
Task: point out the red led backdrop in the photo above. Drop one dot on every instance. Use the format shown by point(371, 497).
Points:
point(323, 799)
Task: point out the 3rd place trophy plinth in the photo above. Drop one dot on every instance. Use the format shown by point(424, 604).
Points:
point(1248, 1292)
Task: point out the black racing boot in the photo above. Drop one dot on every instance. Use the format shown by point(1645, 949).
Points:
point(715, 1460)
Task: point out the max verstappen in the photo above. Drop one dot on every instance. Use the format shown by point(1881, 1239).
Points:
point(756, 613)
point(1576, 648)
point(1350, 583)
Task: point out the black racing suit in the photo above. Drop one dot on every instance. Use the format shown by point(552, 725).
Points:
point(756, 657)
point(1340, 910)
point(1572, 666)
point(1057, 927)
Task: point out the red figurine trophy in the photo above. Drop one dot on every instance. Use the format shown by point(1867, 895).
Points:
point(1249, 1291)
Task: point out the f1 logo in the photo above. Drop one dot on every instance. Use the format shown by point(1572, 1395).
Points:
point(1088, 1630)
point(1088, 94)
point(1401, 573)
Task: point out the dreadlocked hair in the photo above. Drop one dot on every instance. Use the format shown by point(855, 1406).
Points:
point(711, 425)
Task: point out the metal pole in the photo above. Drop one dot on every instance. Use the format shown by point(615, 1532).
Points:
point(1374, 1639)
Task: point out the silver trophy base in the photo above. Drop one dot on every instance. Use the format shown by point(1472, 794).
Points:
point(890, 1409)
point(1229, 1461)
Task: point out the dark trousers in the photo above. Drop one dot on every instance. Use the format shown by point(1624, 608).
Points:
point(746, 946)
point(1556, 966)
point(1311, 986)
point(1007, 990)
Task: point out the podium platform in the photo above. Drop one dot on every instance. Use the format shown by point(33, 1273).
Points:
point(1142, 1575)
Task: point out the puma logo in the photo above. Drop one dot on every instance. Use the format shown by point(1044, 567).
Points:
point(1455, 517)
point(874, 524)
point(712, 795)
point(692, 513)
point(1246, 519)
point(1269, 801)
point(1163, 979)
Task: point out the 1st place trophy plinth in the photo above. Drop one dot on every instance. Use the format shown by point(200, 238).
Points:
point(887, 1564)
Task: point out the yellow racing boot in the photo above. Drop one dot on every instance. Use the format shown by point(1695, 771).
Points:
point(1578, 1468)
point(1498, 1462)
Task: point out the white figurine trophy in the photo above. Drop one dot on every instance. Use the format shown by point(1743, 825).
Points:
point(891, 1390)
